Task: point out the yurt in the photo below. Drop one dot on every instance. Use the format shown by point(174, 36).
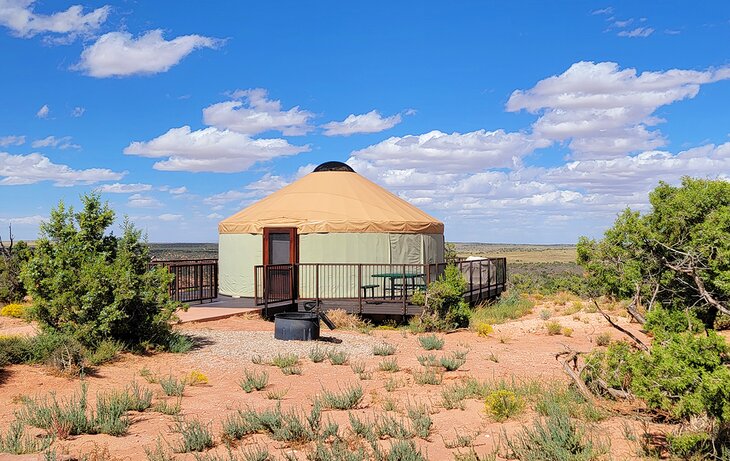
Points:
point(332, 215)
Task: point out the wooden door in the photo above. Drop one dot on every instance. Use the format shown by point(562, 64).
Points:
point(281, 254)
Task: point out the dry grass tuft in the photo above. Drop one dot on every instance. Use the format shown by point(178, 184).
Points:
point(346, 321)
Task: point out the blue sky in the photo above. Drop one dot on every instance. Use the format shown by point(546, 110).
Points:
point(517, 122)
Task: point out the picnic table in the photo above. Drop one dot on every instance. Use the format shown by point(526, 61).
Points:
point(406, 277)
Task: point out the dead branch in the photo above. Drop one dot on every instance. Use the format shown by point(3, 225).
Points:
point(632, 310)
point(7, 252)
point(638, 342)
point(635, 314)
point(653, 296)
point(574, 373)
point(613, 392)
point(700, 286)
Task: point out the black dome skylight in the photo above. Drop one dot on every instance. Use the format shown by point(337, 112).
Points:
point(334, 166)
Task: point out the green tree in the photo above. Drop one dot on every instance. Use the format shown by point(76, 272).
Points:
point(92, 285)
point(450, 253)
point(677, 254)
point(444, 308)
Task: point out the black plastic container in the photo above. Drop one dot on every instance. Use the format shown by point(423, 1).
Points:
point(298, 326)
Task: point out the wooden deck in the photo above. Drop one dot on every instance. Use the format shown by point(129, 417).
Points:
point(366, 289)
point(371, 289)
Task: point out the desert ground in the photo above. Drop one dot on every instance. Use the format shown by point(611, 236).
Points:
point(519, 354)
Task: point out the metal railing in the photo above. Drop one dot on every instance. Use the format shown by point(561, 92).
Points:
point(371, 283)
point(195, 279)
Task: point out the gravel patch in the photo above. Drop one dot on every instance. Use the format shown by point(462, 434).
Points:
point(243, 345)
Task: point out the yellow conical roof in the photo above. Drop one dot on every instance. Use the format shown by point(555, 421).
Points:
point(332, 201)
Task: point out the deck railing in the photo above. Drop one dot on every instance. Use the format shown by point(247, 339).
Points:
point(371, 283)
point(196, 280)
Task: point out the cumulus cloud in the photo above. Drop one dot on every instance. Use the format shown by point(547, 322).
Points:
point(52, 141)
point(23, 220)
point(260, 188)
point(168, 217)
point(639, 173)
point(455, 152)
point(576, 198)
point(178, 190)
point(12, 141)
point(604, 115)
point(143, 201)
point(210, 149)
point(119, 188)
point(43, 111)
point(372, 122)
point(119, 54)
point(607, 111)
point(33, 168)
point(250, 112)
point(19, 17)
point(78, 111)
point(228, 197)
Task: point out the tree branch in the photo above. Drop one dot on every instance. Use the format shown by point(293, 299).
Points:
point(572, 371)
point(7, 251)
point(638, 342)
point(700, 286)
point(631, 309)
point(615, 393)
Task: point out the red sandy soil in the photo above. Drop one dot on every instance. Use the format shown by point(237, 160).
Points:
point(523, 349)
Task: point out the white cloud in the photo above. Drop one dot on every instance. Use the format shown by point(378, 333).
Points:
point(262, 187)
point(19, 17)
point(228, 197)
point(33, 168)
point(119, 54)
point(210, 149)
point(178, 190)
point(52, 141)
point(168, 217)
point(119, 188)
point(268, 183)
point(372, 122)
point(304, 170)
point(12, 141)
point(638, 32)
point(638, 174)
point(607, 10)
point(214, 216)
point(455, 152)
point(43, 111)
point(622, 24)
point(585, 194)
point(78, 111)
point(143, 201)
point(23, 220)
point(604, 110)
point(251, 113)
